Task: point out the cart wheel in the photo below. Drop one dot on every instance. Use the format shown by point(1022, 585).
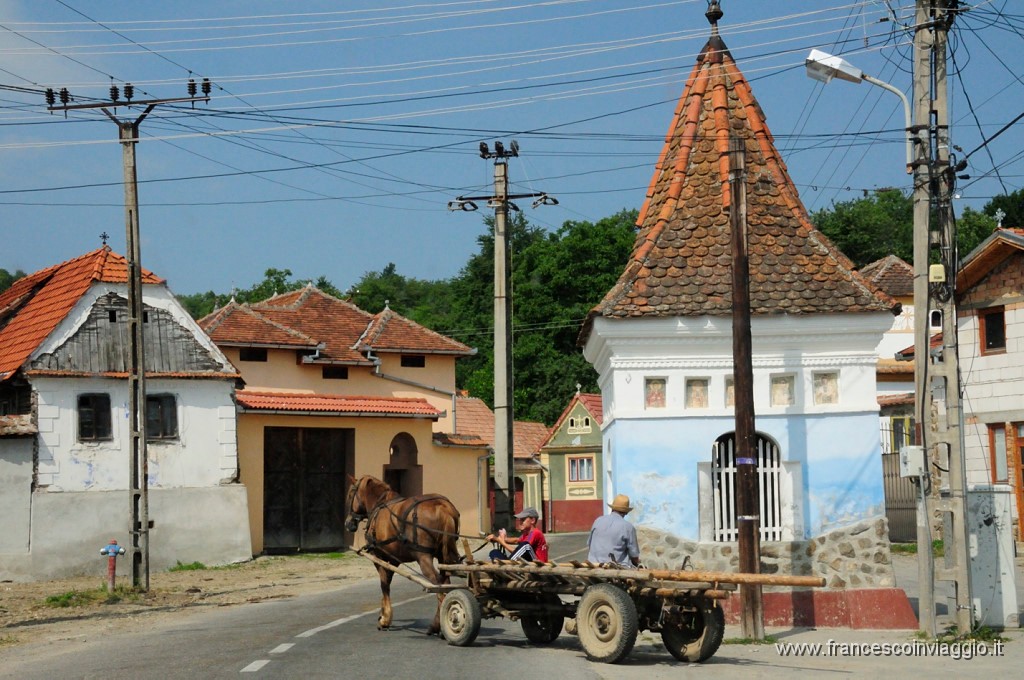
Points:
point(544, 628)
point(694, 636)
point(606, 623)
point(460, 618)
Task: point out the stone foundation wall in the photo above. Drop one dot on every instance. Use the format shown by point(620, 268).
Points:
point(853, 556)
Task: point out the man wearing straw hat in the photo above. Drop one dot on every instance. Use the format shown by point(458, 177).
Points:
point(612, 538)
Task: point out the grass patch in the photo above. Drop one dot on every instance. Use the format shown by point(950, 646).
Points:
point(8, 640)
point(938, 549)
point(86, 598)
point(768, 640)
point(327, 556)
point(191, 566)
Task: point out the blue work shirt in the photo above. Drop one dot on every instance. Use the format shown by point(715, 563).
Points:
point(612, 535)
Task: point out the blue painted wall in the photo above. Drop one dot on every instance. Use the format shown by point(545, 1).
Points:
point(654, 461)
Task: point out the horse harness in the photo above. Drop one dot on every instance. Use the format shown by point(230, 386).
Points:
point(401, 535)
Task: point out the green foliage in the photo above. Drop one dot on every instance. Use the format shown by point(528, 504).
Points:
point(868, 229)
point(938, 549)
point(84, 598)
point(1012, 206)
point(768, 640)
point(191, 566)
point(275, 281)
point(7, 278)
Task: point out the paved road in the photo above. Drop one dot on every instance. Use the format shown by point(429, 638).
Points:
point(334, 636)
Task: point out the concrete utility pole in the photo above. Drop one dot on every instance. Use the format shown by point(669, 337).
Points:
point(747, 501)
point(138, 468)
point(934, 291)
point(504, 474)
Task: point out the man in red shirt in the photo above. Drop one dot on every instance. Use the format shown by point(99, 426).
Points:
point(532, 545)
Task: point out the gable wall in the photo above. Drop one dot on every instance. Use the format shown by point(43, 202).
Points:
point(204, 454)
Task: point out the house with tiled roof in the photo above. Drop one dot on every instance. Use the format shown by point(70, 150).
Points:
point(990, 330)
point(64, 439)
point(331, 390)
point(476, 420)
point(661, 338)
point(572, 455)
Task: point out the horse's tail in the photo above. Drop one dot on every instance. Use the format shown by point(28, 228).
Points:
point(449, 545)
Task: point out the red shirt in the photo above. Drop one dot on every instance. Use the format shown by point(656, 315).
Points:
point(537, 541)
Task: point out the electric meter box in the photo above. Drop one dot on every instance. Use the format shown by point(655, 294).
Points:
point(912, 461)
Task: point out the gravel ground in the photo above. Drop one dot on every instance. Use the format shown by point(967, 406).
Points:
point(26, 615)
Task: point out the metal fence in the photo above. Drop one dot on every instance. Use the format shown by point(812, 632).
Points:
point(900, 492)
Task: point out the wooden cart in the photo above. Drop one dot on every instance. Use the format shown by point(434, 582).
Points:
point(605, 607)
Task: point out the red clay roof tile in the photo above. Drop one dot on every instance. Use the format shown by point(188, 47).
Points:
point(311, 318)
point(890, 274)
point(681, 260)
point(33, 307)
point(334, 404)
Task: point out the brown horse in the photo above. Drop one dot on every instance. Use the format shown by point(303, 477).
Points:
point(400, 530)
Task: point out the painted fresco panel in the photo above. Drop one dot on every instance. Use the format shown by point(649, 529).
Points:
point(656, 464)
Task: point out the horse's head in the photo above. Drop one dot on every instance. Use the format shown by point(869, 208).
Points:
point(356, 503)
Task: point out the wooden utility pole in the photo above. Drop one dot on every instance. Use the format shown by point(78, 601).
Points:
point(934, 291)
point(138, 464)
point(504, 470)
point(747, 502)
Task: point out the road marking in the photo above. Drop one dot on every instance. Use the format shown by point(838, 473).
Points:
point(334, 624)
point(255, 666)
point(282, 648)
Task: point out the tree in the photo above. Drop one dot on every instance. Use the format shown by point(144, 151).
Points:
point(1012, 206)
point(275, 281)
point(870, 228)
point(7, 279)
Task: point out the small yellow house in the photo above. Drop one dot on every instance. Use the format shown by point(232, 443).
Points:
point(330, 391)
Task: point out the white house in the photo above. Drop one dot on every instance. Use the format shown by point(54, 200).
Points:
point(661, 339)
point(64, 440)
point(990, 329)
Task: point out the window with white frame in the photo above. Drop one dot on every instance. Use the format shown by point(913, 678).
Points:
point(581, 468)
point(579, 425)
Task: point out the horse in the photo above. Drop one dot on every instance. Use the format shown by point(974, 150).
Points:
point(399, 530)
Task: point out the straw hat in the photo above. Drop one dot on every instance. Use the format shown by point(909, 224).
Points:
point(621, 504)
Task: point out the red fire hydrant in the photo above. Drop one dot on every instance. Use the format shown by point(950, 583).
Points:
point(112, 551)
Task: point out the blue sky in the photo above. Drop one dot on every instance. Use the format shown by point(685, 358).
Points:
point(335, 138)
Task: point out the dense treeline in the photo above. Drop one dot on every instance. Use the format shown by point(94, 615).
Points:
point(558, 277)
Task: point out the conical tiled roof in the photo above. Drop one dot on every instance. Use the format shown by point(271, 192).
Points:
point(681, 263)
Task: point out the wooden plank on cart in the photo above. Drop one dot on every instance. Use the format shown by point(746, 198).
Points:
point(602, 573)
point(408, 573)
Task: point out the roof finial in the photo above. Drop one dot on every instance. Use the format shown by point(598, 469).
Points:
point(713, 14)
point(999, 218)
point(103, 237)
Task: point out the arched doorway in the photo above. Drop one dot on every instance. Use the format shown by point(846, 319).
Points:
point(402, 472)
point(723, 481)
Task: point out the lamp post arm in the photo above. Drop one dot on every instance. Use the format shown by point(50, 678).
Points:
point(906, 114)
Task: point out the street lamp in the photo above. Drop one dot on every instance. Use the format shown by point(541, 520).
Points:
point(823, 67)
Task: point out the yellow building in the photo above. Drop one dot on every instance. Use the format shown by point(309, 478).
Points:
point(330, 391)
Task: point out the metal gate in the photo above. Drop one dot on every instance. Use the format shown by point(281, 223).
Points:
point(900, 501)
point(723, 480)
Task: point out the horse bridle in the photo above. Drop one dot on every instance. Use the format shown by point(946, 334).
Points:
point(355, 517)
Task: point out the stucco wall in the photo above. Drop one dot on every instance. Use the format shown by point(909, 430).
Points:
point(280, 372)
point(204, 454)
point(15, 492)
point(207, 525)
point(450, 471)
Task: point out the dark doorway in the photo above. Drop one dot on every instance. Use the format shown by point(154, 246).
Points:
point(402, 471)
point(304, 487)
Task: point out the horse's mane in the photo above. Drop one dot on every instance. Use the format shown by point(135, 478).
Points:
point(379, 489)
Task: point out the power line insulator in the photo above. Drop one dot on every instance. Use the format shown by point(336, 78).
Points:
point(206, 86)
point(114, 93)
point(484, 151)
point(191, 87)
point(499, 149)
point(51, 98)
point(65, 96)
point(129, 91)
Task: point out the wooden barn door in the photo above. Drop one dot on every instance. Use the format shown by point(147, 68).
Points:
point(304, 488)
